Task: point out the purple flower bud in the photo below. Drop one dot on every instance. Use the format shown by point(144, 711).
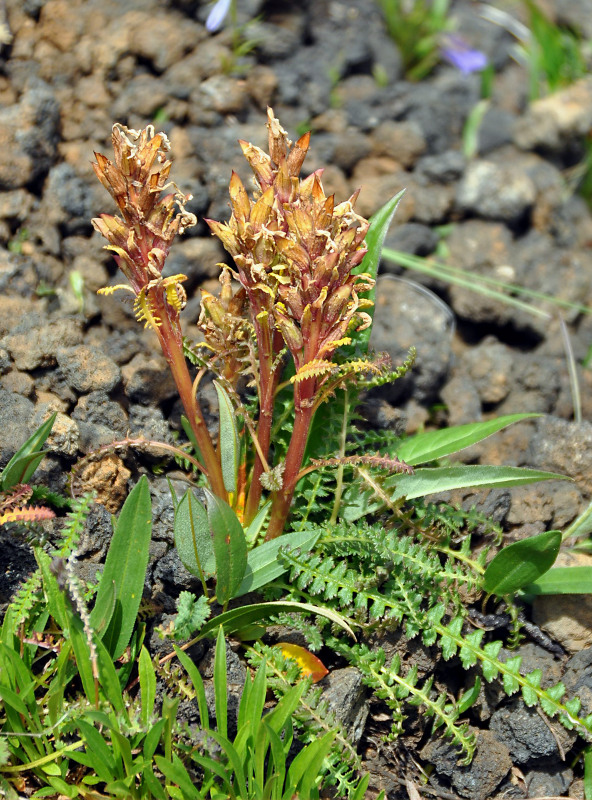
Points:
point(463, 57)
point(217, 14)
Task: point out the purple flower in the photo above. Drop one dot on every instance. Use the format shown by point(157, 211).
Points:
point(463, 57)
point(216, 16)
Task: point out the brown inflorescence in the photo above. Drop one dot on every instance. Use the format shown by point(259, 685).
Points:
point(295, 250)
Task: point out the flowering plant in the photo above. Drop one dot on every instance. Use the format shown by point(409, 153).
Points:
point(299, 299)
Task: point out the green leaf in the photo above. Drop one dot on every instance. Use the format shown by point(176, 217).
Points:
point(358, 501)
point(82, 655)
point(176, 772)
point(235, 764)
point(13, 700)
point(193, 538)
point(126, 565)
point(263, 564)
point(109, 679)
point(237, 618)
point(151, 786)
point(379, 225)
point(147, 678)
point(220, 686)
point(253, 699)
point(424, 447)
point(27, 458)
point(277, 758)
point(230, 547)
point(152, 739)
point(469, 697)
point(305, 769)
point(191, 436)
point(229, 439)
point(104, 607)
point(285, 708)
point(56, 599)
point(253, 530)
point(123, 749)
point(440, 479)
point(102, 757)
point(521, 563)
point(198, 685)
point(562, 580)
point(588, 772)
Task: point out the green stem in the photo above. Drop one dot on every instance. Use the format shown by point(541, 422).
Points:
point(580, 525)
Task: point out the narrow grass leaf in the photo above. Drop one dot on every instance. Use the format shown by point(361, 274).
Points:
point(198, 685)
point(220, 686)
point(12, 699)
point(151, 786)
point(588, 772)
point(285, 708)
point(521, 563)
point(278, 757)
point(175, 771)
point(218, 769)
point(482, 284)
point(256, 700)
point(102, 757)
point(124, 749)
point(244, 714)
point(304, 770)
point(152, 739)
point(234, 762)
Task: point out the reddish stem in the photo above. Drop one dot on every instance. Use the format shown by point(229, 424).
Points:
point(269, 372)
point(171, 342)
point(304, 392)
